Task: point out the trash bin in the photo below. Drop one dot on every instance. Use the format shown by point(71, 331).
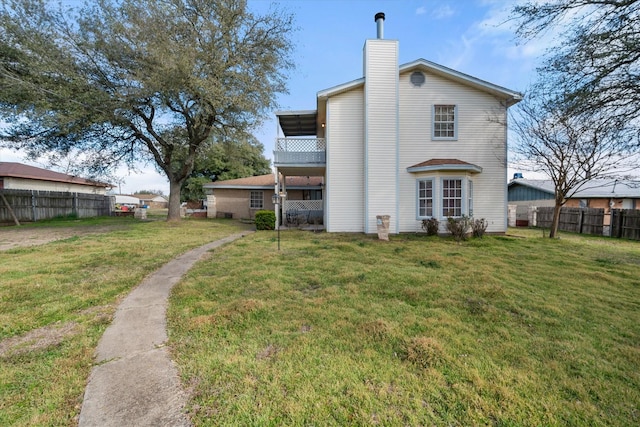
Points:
point(383, 226)
point(140, 213)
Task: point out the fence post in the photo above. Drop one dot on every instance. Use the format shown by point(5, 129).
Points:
point(33, 205)
point(619, 218)
point(580, 221)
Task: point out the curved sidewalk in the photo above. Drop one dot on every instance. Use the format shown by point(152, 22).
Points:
point(134, 382)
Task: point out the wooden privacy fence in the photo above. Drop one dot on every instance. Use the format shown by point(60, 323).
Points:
point(575, 220)
point(32, 205)
point(625, 223)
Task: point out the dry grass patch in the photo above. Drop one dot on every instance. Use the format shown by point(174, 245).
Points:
point(57, 299)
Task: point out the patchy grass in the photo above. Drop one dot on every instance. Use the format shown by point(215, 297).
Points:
point(56, 300)
point(348, 330)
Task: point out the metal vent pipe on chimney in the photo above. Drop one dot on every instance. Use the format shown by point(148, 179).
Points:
point(379, 18)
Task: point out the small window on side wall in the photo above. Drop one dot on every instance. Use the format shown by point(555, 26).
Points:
point(445, 122)
point(257, 200)
point(425, 198)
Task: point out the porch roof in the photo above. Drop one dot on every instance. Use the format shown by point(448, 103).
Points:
point(298, 123)
point(434, 165)
point(267, 182)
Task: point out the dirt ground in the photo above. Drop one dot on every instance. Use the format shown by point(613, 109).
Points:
point(15, 237)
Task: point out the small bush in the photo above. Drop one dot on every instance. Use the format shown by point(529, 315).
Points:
point(459, 227)
point(479, 226)
point(431, 226)
point(265, 220)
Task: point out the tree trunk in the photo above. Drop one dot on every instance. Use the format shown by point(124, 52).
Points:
point(174, 201)
point(556, 221)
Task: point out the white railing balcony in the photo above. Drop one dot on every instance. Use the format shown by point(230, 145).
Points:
point(300, 151)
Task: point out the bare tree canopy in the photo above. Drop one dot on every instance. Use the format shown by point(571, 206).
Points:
point(132, 80)
point(573, 150)
point(596, 63)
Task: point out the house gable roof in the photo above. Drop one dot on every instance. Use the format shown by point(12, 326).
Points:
point(151, 197)
point(19, 170)
point(511, 96)
point(434, 165)
point(306, 122)
point(596, 188)
point(262, 182)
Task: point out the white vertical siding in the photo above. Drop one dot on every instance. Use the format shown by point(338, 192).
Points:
point(481, 141)
point(345, 167)
point(381, 132)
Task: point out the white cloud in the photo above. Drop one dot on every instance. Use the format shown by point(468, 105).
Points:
point(421, 10)
point(442, 12)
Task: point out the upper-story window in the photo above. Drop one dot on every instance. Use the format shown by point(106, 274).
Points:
point(445, 122)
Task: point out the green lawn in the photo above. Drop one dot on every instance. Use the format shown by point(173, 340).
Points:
point(349, 330)
point(338, 329)
point(57, 299)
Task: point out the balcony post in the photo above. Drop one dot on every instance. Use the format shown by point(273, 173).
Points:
point(276, 206)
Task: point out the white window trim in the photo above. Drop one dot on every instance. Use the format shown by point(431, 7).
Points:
point(434, 198)
point(251, 199)
point(437, 186)
point(455, 123)
point(462, 195)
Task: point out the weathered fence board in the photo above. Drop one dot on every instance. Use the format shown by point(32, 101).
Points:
point(575, 220)
point(31, 205)
point(625, 223)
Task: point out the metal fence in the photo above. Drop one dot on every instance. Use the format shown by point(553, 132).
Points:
point(32, 205)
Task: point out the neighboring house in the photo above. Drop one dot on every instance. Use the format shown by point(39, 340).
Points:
point(598, 193)
point(152, 200)
point(243, 197)
point(413, 141)
point(17, 176)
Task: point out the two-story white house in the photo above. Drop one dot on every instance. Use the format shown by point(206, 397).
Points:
point(412, 141)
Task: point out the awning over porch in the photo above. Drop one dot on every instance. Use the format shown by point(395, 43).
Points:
point(298, 123)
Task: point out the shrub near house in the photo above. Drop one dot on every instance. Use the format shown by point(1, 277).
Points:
point(265, 220)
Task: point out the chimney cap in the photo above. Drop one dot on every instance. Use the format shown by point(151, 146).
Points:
point(379, 15)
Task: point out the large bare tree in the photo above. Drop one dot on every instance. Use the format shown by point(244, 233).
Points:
point(130, 80)
point(572, 149)
point(597, 56)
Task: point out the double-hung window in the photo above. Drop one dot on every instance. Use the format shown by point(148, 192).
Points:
point(425, 198)
point(256, 200)
point(451, 198)
point(445, 122)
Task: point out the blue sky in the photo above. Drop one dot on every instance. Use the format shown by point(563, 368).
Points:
point(471, 36)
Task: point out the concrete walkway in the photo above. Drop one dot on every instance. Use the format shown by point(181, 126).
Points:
point(134, 382)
